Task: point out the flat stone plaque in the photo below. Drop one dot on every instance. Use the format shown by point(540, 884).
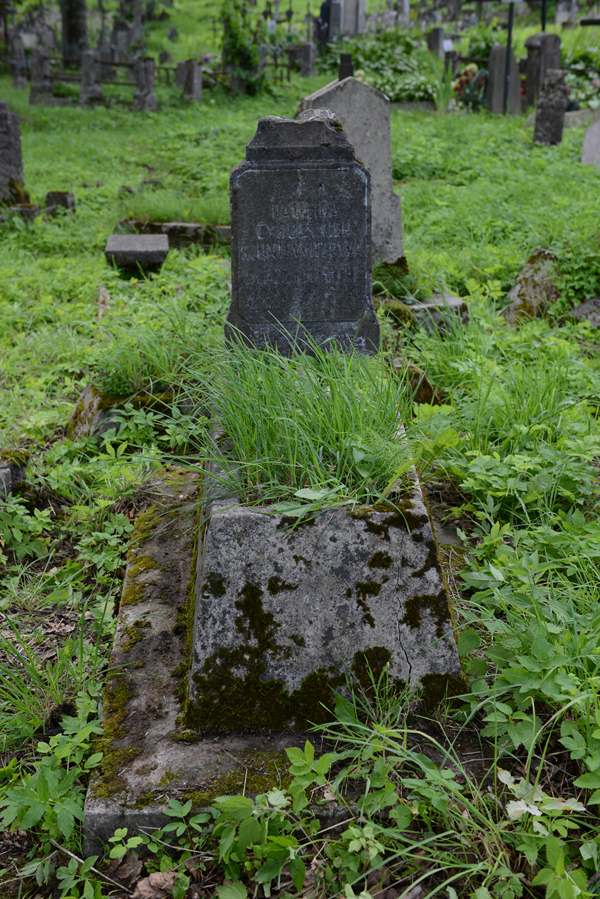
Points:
point(301, 238)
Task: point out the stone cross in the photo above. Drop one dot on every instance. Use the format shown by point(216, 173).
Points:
point(495, 85)
point(144, 99)
point(543, 53)
point(301, 248)
point(364, 114)
point(590, 155)
point(11, 160)
point(551, 108)
point(90, 91)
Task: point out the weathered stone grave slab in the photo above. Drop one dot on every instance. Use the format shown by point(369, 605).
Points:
point(495, 86)
point(308, 605)
point(364, 114)
point(12, 189)
point(551, 108)
point(590, 154)
point(135, 252)
point(301, 247)
point(149, 755)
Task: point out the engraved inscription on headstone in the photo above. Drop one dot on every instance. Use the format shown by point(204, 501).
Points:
point(301, 225)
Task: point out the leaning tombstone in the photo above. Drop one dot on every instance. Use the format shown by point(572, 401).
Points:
point(543, 53)
point(144, 99)
point(41, 80)
point(301, 248)
point(12, 189)
point(91, 90)
point(364, 114)
point(590, 154)
point(496, 82)
point(551, 109)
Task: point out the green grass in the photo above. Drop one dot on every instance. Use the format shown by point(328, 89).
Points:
point(512, 451)
point(314, 430)
point(171, 206)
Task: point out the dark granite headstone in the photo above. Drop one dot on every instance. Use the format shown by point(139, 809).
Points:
point(74, 30)
point(17, 60)
point(301, 238)
point(551, 108)
point(495, 85)
point(192, 81)
point(11, 160)
point(543, 53)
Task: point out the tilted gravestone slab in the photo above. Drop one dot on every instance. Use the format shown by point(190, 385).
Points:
point(135, 252)
point(495, 87)
point(551, 108)
point(590, 154)
point(364, 114)
point(284, 613)
point(11, 160)
point(301, 248)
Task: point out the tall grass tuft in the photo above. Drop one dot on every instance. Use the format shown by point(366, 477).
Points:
point(319, 427)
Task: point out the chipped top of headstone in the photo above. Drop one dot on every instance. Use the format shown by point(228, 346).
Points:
point(316, 136)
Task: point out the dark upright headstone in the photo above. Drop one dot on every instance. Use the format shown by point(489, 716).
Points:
point(192, 81)
point(551, 108)
point(41, 81)
point(543, 53)
point(144, 99)
point(90, 91)
point(301, 238)
point(17, 60)
point(346, 66)
point(74, 30)
point(495, 85)
point(11, 160)
point(435, 42)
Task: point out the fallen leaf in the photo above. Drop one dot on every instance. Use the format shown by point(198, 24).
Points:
point(158, 886)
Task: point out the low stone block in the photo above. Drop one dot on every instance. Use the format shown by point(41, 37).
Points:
point(589, 312)
point(439, 311)
point(284, 614)
point(135, 252)
point(59, 199)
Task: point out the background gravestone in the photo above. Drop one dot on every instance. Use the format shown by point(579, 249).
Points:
point(301, 248)
point(551, 108)
point(90, 91)
point(543, 53)
point(590, 155)
point(11, 160)
point(364, 114)
point(495, 86)
point(144, 99)
point(353, 17)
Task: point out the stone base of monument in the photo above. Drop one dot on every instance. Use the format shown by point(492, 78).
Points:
point(233, 628)
point(26, 211)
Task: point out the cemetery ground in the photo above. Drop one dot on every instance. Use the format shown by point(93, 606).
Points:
point(493, 793)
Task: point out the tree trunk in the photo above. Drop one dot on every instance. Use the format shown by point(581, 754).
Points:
point(74, 31)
